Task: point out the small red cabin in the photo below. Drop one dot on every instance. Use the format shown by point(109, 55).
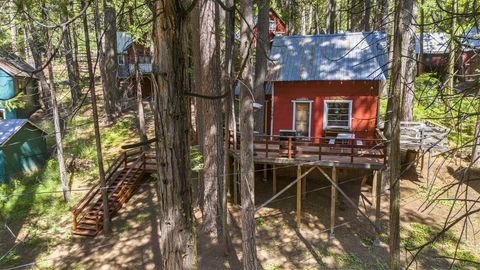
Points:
point(325, 85)
point(126, 63)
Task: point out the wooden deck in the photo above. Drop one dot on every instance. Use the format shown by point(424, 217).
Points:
point(365, 153)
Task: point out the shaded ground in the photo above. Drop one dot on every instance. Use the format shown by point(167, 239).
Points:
point(134, 241)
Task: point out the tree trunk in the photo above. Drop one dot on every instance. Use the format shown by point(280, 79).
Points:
point(246, 145)
point(72, 76)
point(210, 84)
point(37, 59)
point(142, 132)
point(57, 127)
point(75, 45)
point(381, 15)
point(354, 15)
point(331, 15)
point(395, 100)
point(262, 47)
point(13, 26)
point(229, 106)
point(409, 67)
point(421, 57)
point(366, 15)
point(110, 58)
point(476, 140)
point(178, 240)
point(107, 99)
point(98, 143)
point(451, 56)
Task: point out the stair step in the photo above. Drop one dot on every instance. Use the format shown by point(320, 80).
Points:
point(89, 233)
point(86, 226)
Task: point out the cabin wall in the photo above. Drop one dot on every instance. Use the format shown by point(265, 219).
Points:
point(11, 86)
point(25, 152)
point(364, 96)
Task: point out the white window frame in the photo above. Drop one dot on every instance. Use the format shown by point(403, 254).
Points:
point(310, 103)
point(325, 114)
point(121, 56)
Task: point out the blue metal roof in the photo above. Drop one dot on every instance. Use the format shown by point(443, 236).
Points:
point(345, 56)
point(433, 43)
point(471, 38)
point(124, 40)
point(9, 127)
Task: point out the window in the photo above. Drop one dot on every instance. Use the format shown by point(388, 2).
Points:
point(2, 114)
point(272, 26)
point(337, 114)
point(302, 117)
point(144, 59)
point(121, 59)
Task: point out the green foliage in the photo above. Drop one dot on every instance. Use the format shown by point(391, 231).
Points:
point(349, 261)
point(17, 102)
point(196, 159)
point(434, 103)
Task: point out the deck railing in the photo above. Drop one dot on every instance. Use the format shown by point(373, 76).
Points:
point(353, 150)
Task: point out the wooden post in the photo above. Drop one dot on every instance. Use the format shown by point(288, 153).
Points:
point(266, 147)
point(429, 166)
point(235, 181)
point(274, 176)
point(304, 186)
point(265, 172)
point(289, 147)
point(364, 180)
point(377, 177)
point(333, 203)
point(320, 149)
point(299, 196)
point(374, 184)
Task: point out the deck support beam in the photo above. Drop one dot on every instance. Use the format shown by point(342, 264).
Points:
point(265, 176)
point(235, 181)
point(333, 204)
point(429, 167)
point(352, 204)
point(377, 180)
point(299, 196)
point(304, 186)
point(274, 179)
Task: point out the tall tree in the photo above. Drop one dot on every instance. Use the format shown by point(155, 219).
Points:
point(177, 241)
point(142, 131)
point(212, 120)
point(409, 67)
point(421, 56)
point(331, 15)
point(247, 174)
point(110, 57)
point(57, 127)
point(366, 12)
point(69, 60)
point(13, 25)
point(393, 135)
point(98, 143)
point(262, 51)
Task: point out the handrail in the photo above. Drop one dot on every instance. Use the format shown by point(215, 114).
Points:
point(292, 147)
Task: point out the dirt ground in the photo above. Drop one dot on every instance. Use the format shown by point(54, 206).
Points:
point(133, 243)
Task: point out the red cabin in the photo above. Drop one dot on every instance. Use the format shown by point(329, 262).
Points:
point(326, 85)
point(126, 63)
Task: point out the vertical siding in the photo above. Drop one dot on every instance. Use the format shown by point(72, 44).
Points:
point(25, 152)
point(364, 96)
point(9, 88)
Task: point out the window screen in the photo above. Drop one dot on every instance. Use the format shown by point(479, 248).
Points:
point(338, 114)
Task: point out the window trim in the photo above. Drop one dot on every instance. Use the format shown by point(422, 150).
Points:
point(310, 103)
point(325, 114)
point(121, 56)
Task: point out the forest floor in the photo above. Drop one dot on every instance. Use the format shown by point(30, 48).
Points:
point(133, 243)
point(37, 224)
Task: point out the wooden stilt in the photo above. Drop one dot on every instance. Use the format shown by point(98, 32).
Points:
point(377, 176)
point(333, 203)
point(304, 186)
point(274, 176)
point(374, 184)
point(429, 167)
point(422, 160)
point(265, 172)
point(364, 180)
point(235, 181)
point(299, 196)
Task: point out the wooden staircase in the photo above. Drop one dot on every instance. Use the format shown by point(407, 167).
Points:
point(122, 178)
